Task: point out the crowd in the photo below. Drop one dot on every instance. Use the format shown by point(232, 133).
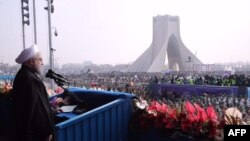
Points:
point(137, 82)
point(28, 93)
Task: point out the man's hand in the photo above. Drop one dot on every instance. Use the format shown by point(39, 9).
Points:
point(49, 138)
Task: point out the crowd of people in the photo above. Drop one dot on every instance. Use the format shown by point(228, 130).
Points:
point(31, 108)
point(138, 82)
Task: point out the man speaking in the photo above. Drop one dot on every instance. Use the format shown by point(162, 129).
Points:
point(31, 112)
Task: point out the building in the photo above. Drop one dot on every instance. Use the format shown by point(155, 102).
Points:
point(166, 42)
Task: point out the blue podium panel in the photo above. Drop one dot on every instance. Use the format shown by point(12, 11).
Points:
point(107, 121)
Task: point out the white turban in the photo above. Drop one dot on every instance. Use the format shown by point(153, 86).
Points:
point(27, 53)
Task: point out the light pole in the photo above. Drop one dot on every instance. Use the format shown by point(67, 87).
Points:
point(25, 17)
point(34, 18)
point(50, 10)
point(52, 49)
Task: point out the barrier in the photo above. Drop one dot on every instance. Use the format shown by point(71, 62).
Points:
point(6, 77)
point(158, 89)
point(248, 92)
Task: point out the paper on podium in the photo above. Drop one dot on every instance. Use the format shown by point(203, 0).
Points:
point(68, 108)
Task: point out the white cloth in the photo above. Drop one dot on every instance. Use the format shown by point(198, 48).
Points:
point(27, 53)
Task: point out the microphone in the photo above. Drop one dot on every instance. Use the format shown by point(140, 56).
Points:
point(58, 75)
point(59, 79)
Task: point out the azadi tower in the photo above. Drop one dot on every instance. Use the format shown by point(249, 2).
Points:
point(166, 41)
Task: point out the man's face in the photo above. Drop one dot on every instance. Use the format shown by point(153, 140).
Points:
point(37, 62)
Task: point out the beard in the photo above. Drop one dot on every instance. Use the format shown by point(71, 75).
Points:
point(39, 69)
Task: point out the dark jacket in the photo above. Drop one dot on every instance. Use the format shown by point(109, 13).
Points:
point(31, 112)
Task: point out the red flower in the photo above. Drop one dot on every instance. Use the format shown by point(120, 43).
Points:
point(164, 108)
point(202, 115)
point(157, 107)
point(190, 118)
point(170, 118)
point(172, 113)
point(189, 107)
point(211, 113)
point(192, 114)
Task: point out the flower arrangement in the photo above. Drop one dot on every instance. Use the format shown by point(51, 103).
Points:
point(5, 91)
point(183, 119)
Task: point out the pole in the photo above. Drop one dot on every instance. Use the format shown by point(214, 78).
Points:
point(23, 36)
point(50, 43)
point(23, 26)
point(34, 17)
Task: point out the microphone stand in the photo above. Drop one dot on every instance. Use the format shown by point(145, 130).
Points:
point(60, 80)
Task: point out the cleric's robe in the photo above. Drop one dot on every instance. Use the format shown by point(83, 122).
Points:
point(31, 112)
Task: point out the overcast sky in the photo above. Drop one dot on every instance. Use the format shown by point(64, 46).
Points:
point(119, 31)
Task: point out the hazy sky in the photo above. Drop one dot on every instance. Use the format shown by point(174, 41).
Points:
point(119, 31)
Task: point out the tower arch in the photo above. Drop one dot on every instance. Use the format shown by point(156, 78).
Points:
point(166, 41)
